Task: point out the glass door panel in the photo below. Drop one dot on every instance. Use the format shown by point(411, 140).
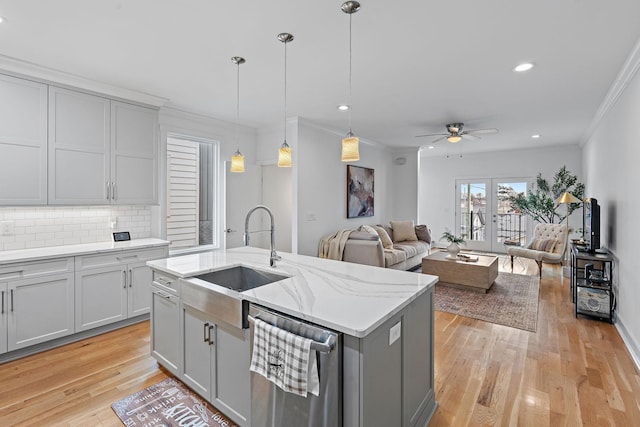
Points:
point(471, 212)
point(510, 227)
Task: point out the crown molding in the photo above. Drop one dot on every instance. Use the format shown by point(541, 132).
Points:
point(51, 75)
point(624, 77)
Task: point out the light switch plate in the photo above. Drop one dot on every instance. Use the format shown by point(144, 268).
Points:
point(395, 332)
point(6, 228)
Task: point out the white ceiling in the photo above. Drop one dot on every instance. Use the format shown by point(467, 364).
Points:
point(417, 65)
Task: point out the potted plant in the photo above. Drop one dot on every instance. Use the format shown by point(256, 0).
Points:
point(454, 243)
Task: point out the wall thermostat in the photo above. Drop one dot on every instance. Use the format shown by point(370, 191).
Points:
point(121, 236)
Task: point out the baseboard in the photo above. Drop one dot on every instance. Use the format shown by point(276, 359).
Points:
point(632, 346)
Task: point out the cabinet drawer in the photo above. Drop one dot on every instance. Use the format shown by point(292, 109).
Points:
point(119, 257)
point(28, 270)
point(166, 282)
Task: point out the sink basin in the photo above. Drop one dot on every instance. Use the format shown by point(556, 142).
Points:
point(219, 303)
point(240, 278)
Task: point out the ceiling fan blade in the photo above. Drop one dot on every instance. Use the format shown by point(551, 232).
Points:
point(432, 134)
point(470, 136)
point(481, 131)
point(439, 139)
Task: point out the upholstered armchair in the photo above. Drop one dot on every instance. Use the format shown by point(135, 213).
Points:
point(549, 244)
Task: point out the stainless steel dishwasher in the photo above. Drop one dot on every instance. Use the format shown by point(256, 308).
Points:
point(273, 407)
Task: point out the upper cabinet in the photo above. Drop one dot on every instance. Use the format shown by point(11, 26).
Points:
point(23, 142)
point(66, 147)
point(101, 151)
point(79, 142)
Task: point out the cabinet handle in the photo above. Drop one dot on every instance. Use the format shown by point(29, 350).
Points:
point(2, 312)
point(210, 330)
point(108, 190)
point(12, 300)
point(204, 332)
point(114, 187)
point(162, 294)
point(124, 274)
point(130, 278)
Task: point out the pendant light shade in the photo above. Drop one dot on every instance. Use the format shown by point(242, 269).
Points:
point(237, 160)
point(284, 154)
point(350, 152)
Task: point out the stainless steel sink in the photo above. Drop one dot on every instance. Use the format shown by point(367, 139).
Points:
point(240, 278)
point(221, 298)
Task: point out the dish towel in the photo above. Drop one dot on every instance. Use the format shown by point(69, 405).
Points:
point(285, 359)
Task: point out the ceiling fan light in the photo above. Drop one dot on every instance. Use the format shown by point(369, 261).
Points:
point(454, 138)
point(237, 162)
point(350, 152)
point(284, 156)
point(526, 66)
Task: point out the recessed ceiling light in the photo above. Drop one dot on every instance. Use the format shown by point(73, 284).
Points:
point(343, 107)
point(431, 147)
point(536, 136)
point(3, 20)
point(526, 66)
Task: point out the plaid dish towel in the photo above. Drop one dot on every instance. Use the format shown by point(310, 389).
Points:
point(285, 359)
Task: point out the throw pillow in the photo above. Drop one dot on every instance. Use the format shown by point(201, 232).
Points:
point(368, 229)
point(545, 245)
point(403, 231)
point(387, 243)
point(422, 232)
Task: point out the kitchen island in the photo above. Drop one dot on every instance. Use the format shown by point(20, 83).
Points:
point(385, 316)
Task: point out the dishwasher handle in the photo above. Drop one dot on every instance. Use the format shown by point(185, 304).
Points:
point(323, 347)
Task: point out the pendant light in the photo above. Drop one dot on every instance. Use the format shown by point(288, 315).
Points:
point(284, 154)
point(350, 151)
point(237, 160)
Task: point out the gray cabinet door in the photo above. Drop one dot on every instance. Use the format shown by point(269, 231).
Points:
point(101, 297)
point(231, 379)
point(4, 304)
point(139, 289)
point(199, 336)
point(23, 142)
point(166, 342)
point(40, 309)
point(134, 151)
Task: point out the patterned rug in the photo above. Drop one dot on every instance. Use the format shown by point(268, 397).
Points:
point(511, 301)
point(168, 403)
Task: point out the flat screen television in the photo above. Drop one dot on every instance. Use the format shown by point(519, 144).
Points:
point(591, 225)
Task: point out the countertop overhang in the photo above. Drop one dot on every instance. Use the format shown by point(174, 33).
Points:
point(351, 298)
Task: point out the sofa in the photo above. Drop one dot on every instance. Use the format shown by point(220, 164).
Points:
point(401, 245)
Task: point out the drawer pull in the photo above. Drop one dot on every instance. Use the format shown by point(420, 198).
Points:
point(162, 294)
point(12, 300)
point(2, 312)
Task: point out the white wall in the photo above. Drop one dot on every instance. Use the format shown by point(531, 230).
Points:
point(612, 175)
point(321, 186)
point(436, 201)
point(404, 185)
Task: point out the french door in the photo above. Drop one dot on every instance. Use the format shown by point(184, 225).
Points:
point(484, 216)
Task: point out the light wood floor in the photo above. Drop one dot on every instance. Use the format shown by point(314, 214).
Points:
point(571, 372)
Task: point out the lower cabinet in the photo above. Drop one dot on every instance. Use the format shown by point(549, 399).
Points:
point(165, 329)
point(4, 296)
point(216, 360)
point(40, 309)
point(114, 286)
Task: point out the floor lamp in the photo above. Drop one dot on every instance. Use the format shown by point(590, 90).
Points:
point(567, 198)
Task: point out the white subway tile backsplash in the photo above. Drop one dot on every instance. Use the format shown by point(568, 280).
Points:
point(36, 227)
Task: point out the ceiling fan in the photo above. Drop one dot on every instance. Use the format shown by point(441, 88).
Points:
point(455, 133)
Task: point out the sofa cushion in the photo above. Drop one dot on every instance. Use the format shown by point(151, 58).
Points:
point(403, 231)
point(387, 243)
point(367, 229)
point(422, 233)
point(388, 229)
point(363, 235)
point(412, 249)
point(394, 256)
point(545, 245)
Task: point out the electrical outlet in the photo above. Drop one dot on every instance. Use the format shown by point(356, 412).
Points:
point(395, 332)
point(6, 228)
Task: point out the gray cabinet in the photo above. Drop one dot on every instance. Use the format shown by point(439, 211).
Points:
point(113, 286)
point(101, 151)
point(23, 142)
point(166, 337)
point(216, 360)
point(79, 147)
point(38, 302)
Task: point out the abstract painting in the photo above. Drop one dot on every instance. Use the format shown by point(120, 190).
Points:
point(359, 191)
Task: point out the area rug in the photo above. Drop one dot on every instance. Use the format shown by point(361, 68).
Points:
point(511, 301)
point(167, 403)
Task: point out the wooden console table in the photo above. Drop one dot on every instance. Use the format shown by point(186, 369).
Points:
point(477, 275)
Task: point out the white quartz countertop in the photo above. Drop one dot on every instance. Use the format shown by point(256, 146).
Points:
point(351, 298)
point(22, 255)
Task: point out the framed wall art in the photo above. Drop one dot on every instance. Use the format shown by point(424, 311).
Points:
point(359, 191)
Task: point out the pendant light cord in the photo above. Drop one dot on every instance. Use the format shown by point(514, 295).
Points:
point(350, 97)
point(285, 92)
point(238, 107)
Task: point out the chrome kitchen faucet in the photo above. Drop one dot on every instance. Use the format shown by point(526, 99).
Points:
point(274, 256)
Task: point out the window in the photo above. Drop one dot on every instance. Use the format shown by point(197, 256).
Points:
point(192, 196)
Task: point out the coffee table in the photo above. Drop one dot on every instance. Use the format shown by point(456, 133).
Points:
point(476, 276)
